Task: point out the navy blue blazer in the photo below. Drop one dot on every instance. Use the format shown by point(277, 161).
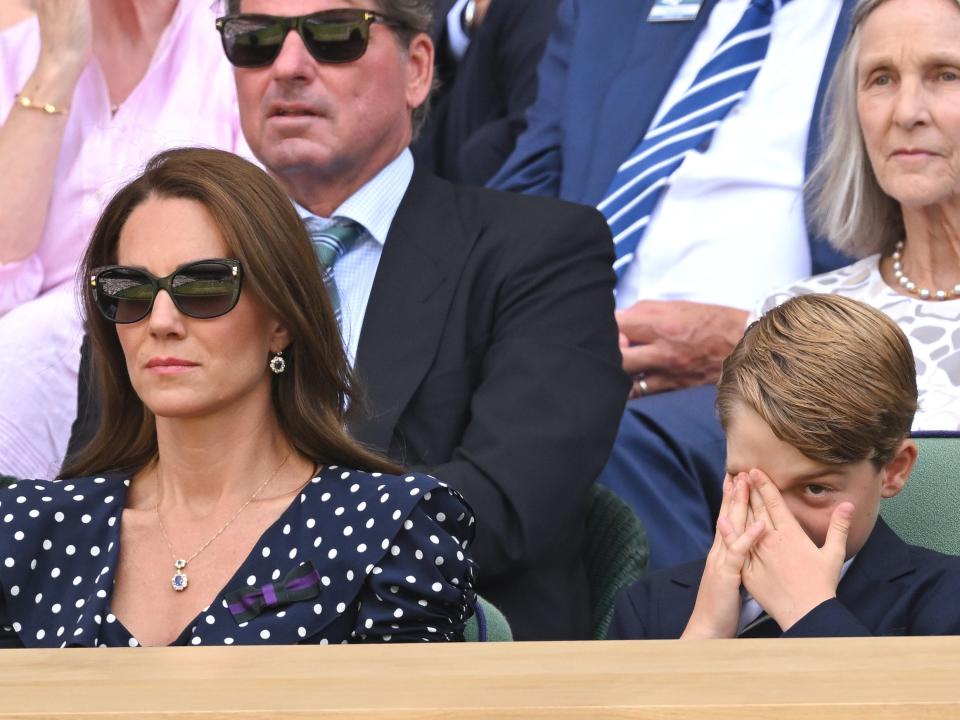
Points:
point(602, 78)
point(891, 588)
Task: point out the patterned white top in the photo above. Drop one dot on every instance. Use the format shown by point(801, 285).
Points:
point(933, 328)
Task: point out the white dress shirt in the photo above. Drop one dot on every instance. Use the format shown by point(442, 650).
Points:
point(731, 228)
point(374, 206)
point(457, 39)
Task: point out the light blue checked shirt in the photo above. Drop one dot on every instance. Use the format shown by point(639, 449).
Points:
point(374, 206)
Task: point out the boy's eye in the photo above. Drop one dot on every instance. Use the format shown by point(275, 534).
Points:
point(817, 490)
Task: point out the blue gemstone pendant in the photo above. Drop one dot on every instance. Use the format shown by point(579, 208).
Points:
point(180, 581)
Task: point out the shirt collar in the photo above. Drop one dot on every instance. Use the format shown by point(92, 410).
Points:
point(375, 204)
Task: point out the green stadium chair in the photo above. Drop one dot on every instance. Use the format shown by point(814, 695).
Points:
point(616, 553)
point(488, 624)
point(927, 511)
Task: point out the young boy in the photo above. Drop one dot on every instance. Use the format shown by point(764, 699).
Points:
point(816, 402)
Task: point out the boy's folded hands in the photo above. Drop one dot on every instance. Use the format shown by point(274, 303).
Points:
point(716, 613)
point(760, 545)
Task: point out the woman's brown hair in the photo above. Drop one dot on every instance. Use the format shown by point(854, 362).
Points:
point(263, 231)
point(831, 376)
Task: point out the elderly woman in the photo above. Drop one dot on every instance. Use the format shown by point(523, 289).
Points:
point(888, 190)
point(89, 90)
point(221, 501)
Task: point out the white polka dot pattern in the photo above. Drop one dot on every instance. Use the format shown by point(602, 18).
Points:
point(365, 535)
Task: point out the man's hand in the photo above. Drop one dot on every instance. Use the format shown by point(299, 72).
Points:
point(716, 613)
point(675, 343)
point(786, 572)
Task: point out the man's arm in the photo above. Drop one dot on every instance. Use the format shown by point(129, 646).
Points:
point(536, 164)
point(546, 411)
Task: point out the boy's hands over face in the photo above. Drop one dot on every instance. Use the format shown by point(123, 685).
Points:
point(785, 571)
point(716, 613)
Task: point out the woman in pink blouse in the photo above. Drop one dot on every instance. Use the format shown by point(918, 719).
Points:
point(89, 90)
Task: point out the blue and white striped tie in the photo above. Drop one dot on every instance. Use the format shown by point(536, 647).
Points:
point(331, 243)
point(688, 126)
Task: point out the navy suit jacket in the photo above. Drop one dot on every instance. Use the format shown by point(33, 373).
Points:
point(891, 588)
point(603, 76)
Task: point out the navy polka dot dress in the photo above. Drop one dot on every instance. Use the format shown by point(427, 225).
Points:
point(357, 557)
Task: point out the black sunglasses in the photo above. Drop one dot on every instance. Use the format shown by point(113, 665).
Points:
point(331, 36)
point(201, 289)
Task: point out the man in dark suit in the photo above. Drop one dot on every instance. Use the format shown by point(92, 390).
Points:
point(728, 229)
point(817, 402)
point(480, 323)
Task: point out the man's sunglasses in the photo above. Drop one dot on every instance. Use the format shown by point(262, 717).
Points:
point(331, 36)
point(202, 289)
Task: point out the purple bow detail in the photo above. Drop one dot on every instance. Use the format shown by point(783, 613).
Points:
point(301, 583)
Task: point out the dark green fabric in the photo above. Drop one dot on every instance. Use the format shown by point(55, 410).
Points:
point(498, 629)
point(616, 553)
point(927, 511)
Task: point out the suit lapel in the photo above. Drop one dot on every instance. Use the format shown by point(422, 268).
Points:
point(868, 589)
point(634, 95)
point(833, 54)
point(422, 258)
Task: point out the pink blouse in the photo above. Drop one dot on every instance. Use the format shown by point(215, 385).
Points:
point(187, 97)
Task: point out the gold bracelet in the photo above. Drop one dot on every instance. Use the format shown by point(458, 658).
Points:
point(24, 101)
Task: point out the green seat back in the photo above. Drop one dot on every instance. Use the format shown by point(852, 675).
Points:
point(616, 553)
point(488, 621)
point(927, 511)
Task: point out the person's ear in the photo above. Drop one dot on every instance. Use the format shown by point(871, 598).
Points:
point(419, 70)
point(897, 471)
point(279, 338)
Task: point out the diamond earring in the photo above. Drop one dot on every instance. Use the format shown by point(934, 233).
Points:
point(277, 363)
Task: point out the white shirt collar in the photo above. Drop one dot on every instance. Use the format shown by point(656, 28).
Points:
point(375, 204)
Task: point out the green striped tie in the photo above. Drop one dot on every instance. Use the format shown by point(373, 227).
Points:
point(330, 244)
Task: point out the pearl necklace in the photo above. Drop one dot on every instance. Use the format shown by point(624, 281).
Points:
point(911, 287)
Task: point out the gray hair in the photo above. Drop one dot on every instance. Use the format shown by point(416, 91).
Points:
point(847, 204)
point(412, 17)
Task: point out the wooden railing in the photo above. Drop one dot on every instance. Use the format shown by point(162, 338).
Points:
point(912, 678)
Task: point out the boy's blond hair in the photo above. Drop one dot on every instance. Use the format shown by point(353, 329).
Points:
point(831, 376)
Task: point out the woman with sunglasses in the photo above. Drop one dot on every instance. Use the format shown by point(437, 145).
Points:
point(221, 500)
point(89, 90)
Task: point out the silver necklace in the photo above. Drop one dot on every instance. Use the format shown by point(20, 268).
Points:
point(911, 287)
point(180, 581)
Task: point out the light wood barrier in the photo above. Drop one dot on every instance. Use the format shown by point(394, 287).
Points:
point(884, 678)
